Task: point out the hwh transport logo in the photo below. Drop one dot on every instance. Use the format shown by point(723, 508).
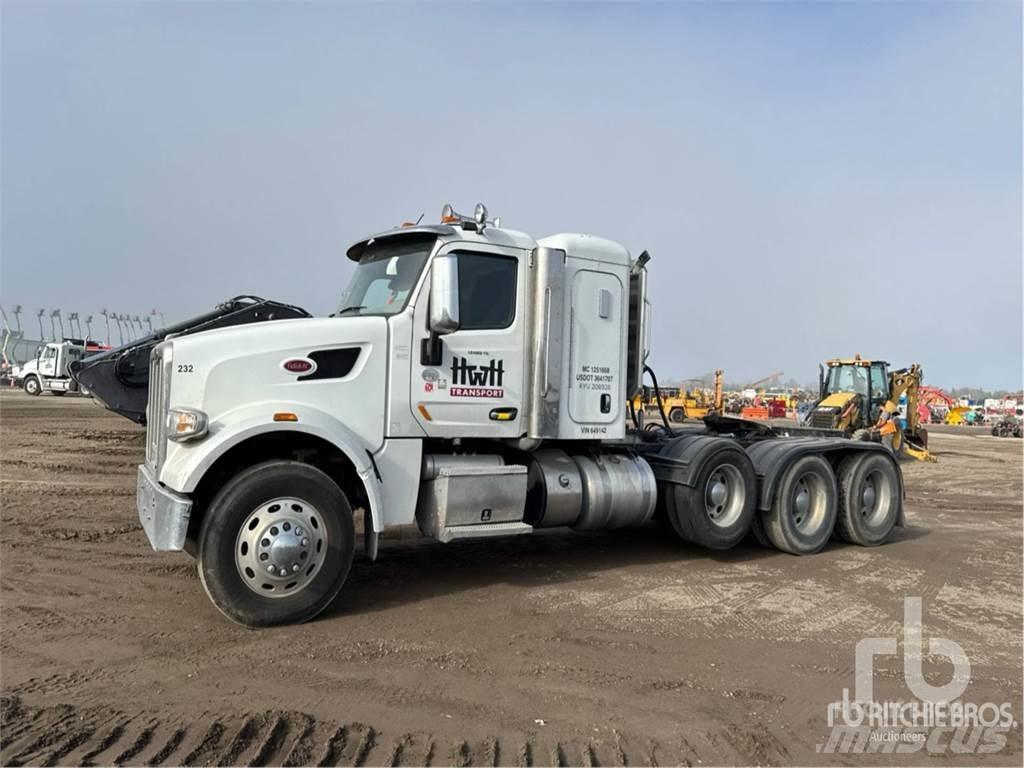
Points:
point(935, 720)
point(470, 380)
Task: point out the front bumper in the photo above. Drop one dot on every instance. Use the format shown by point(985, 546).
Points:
point(164, 514)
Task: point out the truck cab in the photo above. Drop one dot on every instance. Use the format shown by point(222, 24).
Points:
point(49, 370)
point(473, 382)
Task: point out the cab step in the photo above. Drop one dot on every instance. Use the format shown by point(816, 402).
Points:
point(483, 531)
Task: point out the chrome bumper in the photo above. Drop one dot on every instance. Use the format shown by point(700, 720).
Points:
point(164, 514)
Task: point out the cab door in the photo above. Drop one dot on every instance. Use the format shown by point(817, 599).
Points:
point(48, 361)
point(477, 389)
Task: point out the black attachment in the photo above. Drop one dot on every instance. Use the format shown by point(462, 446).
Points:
point(119, 378)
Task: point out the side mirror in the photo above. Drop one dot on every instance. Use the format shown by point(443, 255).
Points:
point(444, 295)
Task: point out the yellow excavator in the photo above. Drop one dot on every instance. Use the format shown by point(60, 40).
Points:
point(862, 399)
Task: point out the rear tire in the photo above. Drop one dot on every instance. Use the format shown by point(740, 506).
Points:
point(869, 498)
point(284, 514)
point(718, 510)
point(803, 512)
point(677, 415)
point(32, 386)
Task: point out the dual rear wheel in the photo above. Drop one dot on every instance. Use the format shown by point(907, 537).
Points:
point(858, 502)
point(718, 510)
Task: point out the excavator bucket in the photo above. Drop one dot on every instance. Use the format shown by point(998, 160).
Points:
point(119, 378)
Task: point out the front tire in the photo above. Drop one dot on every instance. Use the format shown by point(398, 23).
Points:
point(803, 513)
point(276, 544)
point(32, 386)
point(869, 498)
point(677, 415)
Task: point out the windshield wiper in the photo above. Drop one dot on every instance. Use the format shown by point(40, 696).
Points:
point(354, 308)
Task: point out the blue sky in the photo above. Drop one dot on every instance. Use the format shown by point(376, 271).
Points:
point(811, 180)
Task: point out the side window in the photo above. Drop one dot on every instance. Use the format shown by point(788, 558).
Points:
point(487, 291)
point(879, 385)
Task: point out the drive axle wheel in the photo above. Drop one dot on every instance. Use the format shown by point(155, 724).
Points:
point(276, 544)
point(803, 512)
point(718, 510)
point(869, 498)
point(32, 386)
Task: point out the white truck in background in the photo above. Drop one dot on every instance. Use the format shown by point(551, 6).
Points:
point(476, 382)
point(49, 371)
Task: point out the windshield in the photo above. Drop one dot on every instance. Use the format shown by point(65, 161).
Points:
point(853, 378)
point(386, 274)
point(846, 378)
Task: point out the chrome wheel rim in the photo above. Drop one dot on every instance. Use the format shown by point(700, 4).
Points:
point(281, 547)
point(809, 503)
point(724, 496)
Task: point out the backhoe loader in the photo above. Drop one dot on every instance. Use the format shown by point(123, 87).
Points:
point(862, 399)
point(681, 404)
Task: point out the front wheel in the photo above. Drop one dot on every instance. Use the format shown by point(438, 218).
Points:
point(32, 386)
point(677, 415)
point(276, 544)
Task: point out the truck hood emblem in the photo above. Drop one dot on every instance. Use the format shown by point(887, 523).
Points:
point(299, 365)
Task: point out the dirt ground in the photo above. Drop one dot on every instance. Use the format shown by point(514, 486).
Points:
point(558, 648)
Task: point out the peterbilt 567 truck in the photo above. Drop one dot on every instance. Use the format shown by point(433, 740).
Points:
point(475, 382)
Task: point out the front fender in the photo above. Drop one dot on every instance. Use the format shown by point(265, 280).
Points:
point(187, 462)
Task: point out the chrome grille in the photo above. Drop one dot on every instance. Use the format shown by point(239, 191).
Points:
point(156, 406)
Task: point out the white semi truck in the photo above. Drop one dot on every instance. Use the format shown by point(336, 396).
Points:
point(474, 382)
point(49, 370)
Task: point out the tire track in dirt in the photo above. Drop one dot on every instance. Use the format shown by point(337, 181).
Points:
point(65, 735)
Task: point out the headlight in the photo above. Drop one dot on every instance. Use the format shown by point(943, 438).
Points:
point(185, 424)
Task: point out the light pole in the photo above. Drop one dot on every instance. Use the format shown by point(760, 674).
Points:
point(88, 327)
point(106, 318)
point(39, 317)
point(60, 322)
point(120, 329)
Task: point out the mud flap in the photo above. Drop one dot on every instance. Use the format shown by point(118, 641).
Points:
point(371, 538)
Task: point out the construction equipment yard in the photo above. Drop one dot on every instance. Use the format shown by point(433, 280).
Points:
point(605, 648)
